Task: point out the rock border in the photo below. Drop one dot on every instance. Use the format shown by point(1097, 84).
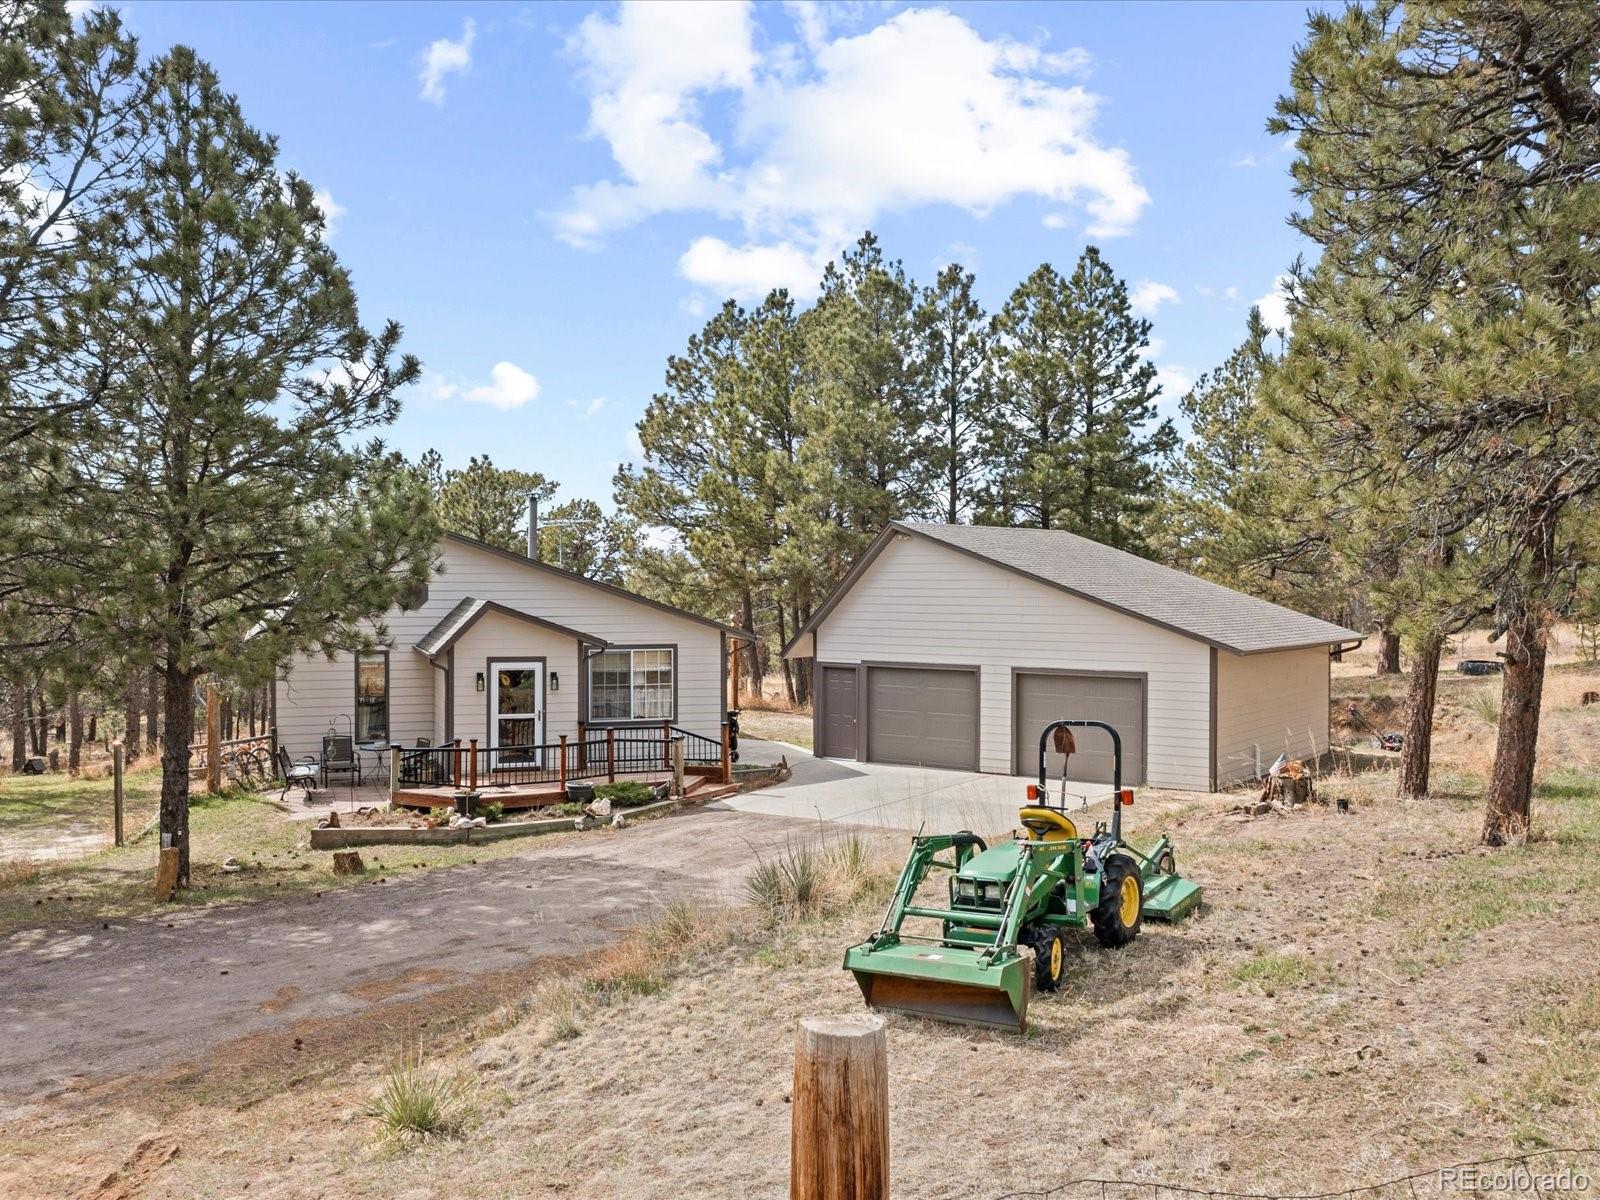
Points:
point(380, 835)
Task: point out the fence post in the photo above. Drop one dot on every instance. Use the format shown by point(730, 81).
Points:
point(563, 768)
point(394, 771)
point(666, 744)
point(677, 766)
point(455, 765)
point(213, 738)
point(611, 756)
point(583, 748)
point(116, 792)
point(727, 756)
point(472, 765)
point(839, 1127)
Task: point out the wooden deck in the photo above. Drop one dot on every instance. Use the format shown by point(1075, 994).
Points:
point(540, 795)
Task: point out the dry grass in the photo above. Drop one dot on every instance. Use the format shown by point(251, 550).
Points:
point(1361, 995)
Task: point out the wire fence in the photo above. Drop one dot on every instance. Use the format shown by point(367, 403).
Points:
point(1545, 1173)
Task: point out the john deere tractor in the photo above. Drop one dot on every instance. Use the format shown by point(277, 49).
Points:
point(1000, 930)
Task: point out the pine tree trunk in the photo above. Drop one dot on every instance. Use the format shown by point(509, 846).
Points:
point(75, 735)
point(94, 728)
point(130, 723)
point(152, 710)
point(783, 663)
point(1416, 754)
point(1388, 653)
point(1509, 803)
point(19, 726)
point(40, 723)
point(178, 732)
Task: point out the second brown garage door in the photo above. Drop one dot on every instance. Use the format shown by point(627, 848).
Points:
point(923, 716)
point(1115, 699)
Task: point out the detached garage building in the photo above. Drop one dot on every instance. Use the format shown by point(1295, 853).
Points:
point(953, 645)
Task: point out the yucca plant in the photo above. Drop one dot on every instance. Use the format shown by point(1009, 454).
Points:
point(416, 1103)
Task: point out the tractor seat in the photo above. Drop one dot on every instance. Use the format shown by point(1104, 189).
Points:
point(1047, 825)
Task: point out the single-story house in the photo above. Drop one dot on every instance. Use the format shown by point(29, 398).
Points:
point(515, 653)
point(954, 645)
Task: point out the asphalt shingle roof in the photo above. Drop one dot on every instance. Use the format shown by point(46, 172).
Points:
point(1204, 610)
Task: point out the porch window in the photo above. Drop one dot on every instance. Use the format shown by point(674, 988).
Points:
point(632, 685)
point(372, 697)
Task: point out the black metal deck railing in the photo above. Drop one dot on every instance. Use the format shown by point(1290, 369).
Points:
point(598, 754)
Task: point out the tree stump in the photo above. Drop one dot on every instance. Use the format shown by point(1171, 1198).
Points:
point(1287, 790)
point(839, 1133)
point(167, 873)
point(348, 862)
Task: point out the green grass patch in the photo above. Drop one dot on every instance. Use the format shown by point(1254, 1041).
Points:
point(1272, 972)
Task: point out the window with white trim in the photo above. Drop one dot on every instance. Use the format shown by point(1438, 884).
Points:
point(632, 685)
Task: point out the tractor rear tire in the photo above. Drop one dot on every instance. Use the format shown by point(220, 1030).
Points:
point(1120, 912)
point(1049, 957)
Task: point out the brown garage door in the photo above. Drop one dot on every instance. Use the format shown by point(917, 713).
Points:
point(923, 717)
point(1116, 700)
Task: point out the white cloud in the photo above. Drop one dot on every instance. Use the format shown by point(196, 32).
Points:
point(79, 8)
point(635, 446)
point(1148, 296)
point(1274, 305)
point(332, 210)
point(1055, 220)
point(749, 272)
point(1247, 160)
point(588, 408)
point(509, 387)
point(1175, 381)
point(444, 57)
point(1232, 293)
point(827, 136)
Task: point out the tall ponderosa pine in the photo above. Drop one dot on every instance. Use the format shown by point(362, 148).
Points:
point(483, 501)
point(954, 339)
point(1072, 438)
point(1450, 161)
point(214, 511)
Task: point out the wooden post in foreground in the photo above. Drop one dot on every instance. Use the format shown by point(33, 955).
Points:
point(394, 770)
point(562, 778)
point(116, 793)
point(677, 766)
point(167, 874)
point(727, 756)
point(611, 756)
point(472, 764)
point(213, 738)
point(455, 764)
point(839, 1132)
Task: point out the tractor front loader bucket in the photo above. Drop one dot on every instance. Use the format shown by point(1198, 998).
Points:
point(971, 987)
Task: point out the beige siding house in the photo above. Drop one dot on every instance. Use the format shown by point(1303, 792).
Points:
point(952, 646)
point(512, 652)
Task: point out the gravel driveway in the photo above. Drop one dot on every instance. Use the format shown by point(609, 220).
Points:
point(85, 1008)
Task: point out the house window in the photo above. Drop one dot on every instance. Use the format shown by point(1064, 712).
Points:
point(631, 685)
point(372, 697)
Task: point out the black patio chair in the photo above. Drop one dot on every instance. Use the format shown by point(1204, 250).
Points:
point(297, 772)
point(339, 757)
point(419, 766)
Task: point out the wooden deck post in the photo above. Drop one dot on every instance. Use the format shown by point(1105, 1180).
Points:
point(611, 756)
point(563, 768)
point(583, 748)
point(839, 1126)
point(455, 765)
point(472, 765)
point(213, 737)
point(677, 766)
point(116, 793)
point(666, 744)
point(394, 770)
point(727, 756)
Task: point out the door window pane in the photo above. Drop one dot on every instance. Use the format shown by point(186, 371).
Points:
point(372, 698)
point(517, 690)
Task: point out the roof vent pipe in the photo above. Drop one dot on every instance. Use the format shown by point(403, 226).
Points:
point(533, 525)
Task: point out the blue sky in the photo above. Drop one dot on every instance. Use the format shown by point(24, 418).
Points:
point(551, 198)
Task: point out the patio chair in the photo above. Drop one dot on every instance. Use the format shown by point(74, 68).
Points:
point(339, 757)
point(420, 768)
point(297, 772)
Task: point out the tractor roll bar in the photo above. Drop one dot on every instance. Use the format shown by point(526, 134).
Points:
point(1116, 769)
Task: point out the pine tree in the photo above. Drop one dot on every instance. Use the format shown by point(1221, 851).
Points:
point(1066, 443)
point(486, 502)
point(954, 339)
point(214, 512)
point(578, 537)
point(1449, 158)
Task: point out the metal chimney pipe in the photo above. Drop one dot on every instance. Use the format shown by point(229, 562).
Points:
point(533, 525)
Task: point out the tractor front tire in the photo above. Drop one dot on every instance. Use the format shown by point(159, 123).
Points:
point(1120, 912)
point(1049, 958)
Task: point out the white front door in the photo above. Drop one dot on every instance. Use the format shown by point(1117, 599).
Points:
point(516, 709)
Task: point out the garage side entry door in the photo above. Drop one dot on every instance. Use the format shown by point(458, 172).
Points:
point(1118, 701)
point(923, 716)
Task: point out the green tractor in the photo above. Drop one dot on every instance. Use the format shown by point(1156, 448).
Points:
point(1000, 936)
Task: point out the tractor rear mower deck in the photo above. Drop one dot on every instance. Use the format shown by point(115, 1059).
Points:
point(1000, 934)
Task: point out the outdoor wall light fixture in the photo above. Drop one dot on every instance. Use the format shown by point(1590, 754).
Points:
point(555, 681)
point(478, 682)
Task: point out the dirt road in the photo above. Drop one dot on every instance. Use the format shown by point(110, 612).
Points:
point(204, 994)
